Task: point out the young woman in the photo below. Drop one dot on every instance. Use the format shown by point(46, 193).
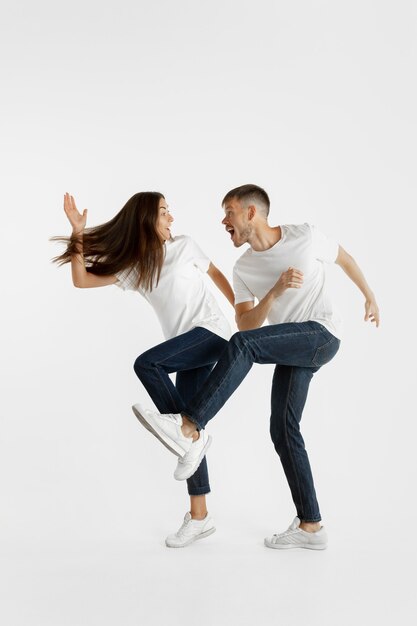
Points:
point(135, 250)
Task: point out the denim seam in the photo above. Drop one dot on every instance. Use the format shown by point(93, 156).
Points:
point(162, 380)
point(191, 346)
point(290, 450)
point(319, 350)
point(304, 332)
point(279, 336)
point(303, 519)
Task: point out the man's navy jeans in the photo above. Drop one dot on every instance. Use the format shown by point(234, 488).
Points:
point(298, 350)
point(192, 355)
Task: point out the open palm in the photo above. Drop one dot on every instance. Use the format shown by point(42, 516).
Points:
point(77, 220)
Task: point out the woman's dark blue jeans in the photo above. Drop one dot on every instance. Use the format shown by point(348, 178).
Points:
point(298, 350)
point(192, 355)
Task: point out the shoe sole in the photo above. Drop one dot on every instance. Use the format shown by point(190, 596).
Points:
point(200, 458)
point(190, 541)
point(168, 443)
point(276, 546)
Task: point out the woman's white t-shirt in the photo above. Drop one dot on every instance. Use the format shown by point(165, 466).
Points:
point(182, 299)
point(302, 247)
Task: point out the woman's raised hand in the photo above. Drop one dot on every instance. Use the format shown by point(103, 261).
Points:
point(76, 220)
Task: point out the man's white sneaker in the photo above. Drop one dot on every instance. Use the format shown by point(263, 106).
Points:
point(188, 464)
point(295, 537)
point(191, 530)
point(166, 427)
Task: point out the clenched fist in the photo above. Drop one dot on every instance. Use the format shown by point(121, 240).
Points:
point(291, 279)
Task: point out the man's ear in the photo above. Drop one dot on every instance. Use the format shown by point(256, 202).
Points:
point(251, 211)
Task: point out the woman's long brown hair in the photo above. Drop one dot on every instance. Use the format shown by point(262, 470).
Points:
point(129, 240)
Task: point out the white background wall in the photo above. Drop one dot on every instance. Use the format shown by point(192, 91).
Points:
point(314, 101)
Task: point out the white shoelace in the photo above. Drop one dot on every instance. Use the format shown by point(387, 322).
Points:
point(183, 528)
point(171, 417)
point(286, 533)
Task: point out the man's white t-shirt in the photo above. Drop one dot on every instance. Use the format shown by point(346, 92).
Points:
point(181, 300)
point(302, 247)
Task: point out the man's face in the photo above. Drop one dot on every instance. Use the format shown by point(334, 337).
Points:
point(237, 222)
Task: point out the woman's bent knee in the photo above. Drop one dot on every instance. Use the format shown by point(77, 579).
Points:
point(142, 363)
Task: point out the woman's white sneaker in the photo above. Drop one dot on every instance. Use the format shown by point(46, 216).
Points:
point(190, 531)
point(295, 537)
point(189, 463)
point(166, 427)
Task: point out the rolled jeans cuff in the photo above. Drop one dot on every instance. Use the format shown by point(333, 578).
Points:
point(198, 491)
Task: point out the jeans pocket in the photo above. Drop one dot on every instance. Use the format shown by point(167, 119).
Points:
point(325, 353)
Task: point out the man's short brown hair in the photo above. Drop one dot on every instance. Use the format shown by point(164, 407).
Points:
point(249, 194)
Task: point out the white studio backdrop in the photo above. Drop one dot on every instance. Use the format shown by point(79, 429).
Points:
point(314, 101)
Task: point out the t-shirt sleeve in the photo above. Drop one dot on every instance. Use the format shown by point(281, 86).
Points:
point(126, 279)
point(200, 259)
point(324, 249)
point(242, 293)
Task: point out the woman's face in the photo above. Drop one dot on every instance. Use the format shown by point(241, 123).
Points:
point(164, 220)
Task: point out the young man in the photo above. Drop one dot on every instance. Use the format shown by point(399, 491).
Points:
point(284, 270)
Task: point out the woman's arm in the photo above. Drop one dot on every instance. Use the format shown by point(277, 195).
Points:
point(352, 269)
point(80, 276)
point(221, 283)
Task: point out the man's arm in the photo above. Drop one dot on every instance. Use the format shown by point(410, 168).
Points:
point(221, 283)
point(352, 269)
point(249, 316)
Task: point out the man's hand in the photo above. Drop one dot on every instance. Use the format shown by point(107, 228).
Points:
point(291, 279)
point(352, 269)
point(75, 218)
point(249, 316)
point(371, 311)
